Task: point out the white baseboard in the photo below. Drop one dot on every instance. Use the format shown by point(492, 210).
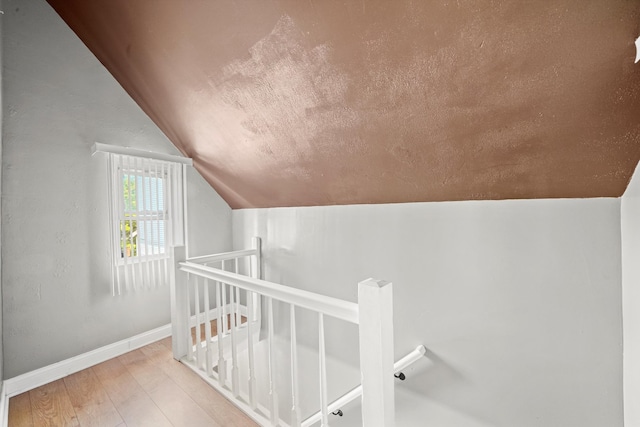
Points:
point(47, 374)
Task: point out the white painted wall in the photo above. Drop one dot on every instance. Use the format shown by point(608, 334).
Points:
point(1, 138)
point(630, 212)
point(209, 217)
point(58, 100)
point(518, 302)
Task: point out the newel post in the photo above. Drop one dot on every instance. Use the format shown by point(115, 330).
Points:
point(179, 304)
point(375, 301)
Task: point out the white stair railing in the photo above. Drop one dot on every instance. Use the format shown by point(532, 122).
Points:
point(356, 392)
point(239, 295)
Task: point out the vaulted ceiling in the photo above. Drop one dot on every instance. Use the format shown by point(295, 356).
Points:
point(293, 103)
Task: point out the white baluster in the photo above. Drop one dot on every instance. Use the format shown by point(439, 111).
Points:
point(189, 337)
point(237, 310)
point(273, 398)
point(225, 310)
point(323, 373)
point(234, 343)
point(221, 365)
point(295, 392)
point(224, 326)
point(252, 321)
point(207, 329)
point(251, 354)
point(257, 274)
point(196, 309)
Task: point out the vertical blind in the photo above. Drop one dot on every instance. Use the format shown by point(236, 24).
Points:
point(146, 217)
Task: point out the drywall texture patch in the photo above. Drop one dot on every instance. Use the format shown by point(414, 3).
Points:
point(518, 302)
point(293, 103)
point(58, 100)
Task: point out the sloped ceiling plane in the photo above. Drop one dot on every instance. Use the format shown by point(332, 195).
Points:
point(296, 103)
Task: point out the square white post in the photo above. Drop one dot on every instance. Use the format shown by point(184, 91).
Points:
point(256, 243)
point(179, 304)
point(375, 300)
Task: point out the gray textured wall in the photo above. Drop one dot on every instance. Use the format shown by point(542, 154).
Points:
point(1, 139)
point(58, 100)
point(630, 224)
point(518, 302)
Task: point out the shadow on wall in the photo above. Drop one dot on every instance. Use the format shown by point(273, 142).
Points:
point(420, 396)
point(439, 373)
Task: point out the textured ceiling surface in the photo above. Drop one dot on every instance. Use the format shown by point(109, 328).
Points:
point(292, 103)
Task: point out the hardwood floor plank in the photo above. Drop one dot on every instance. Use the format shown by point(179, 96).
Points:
point(141, 411)
point(20, 411)
point(132, 402)
point(50, 406)
point(139, 367)
point(214, 327)
point(214, 331)
point(145, 387)
point(158, 353)
point(214, 404)
point(116, 380)
point(166, 342)
point(90, 400)
point(174, 403)
point(178, 406)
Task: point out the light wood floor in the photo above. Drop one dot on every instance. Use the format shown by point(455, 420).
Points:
point(145, 387)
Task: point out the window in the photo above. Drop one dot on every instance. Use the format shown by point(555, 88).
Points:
point(143, 221)
point(146, 219)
